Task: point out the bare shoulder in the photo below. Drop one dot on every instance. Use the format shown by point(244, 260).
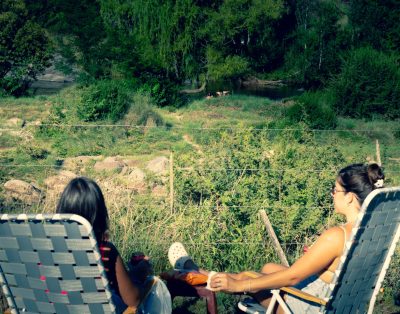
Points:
point(333, 235)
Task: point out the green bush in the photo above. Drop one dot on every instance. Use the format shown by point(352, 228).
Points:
point(368, 85)
point(163, 92)
point(314, 109)
point(107, 99)
point(245, 171)
point(33, 150)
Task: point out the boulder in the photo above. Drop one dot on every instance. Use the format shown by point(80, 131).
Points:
point(109, 164)
point(74, 163)
point(15, 122)
point(159, 191)
point(136, 180)
point(131, 162)
point(23, 191)
point(137, 175)
point(58, 182)
point(158, 165)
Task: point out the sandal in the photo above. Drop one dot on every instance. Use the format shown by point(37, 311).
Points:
point(249, 305)
point(178, 256)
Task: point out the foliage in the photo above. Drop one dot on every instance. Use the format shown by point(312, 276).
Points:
point(33, 150)
point(376, 23)
point(104, 100)
point(250, 31)
point(368, 85)
point(163, 92)
point(78, 31)
point(220, 68)
point(318, 41)
point(315, 110)
point(167, 32)
point(246, 171)
point(24, 48)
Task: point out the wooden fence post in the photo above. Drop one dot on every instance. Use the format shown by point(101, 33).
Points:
point(378, 153)
point(171, 182)
point(275, 241)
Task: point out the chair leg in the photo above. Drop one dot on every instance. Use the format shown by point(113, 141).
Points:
point(281, 302)
point(211, 303)
point(271, 303)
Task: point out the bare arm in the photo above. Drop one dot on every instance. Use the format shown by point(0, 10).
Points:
point(328, 247)
point(129, 292)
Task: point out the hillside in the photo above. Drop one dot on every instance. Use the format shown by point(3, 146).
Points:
point(229, 157)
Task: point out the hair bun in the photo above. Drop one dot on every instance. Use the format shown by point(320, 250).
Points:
point(375, 175)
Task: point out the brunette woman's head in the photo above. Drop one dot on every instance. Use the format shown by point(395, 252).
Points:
point(82, 196)
point(361, 179)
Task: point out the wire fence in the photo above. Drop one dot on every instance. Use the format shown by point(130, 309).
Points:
point(58, 164)
point(202, 128)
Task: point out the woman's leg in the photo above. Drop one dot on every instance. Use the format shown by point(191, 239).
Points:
point(264, 296)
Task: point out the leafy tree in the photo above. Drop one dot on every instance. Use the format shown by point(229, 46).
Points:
point(243, 30)
point(24, 48)
point(165, 33)
point(376, 22)
point(319, 40)
point(368, 85)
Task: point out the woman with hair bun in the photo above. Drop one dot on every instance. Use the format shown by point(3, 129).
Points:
point(313, 272)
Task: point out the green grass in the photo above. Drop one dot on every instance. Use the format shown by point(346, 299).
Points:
point(140, 222)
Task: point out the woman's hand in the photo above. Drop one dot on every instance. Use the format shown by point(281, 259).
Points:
point(224, 282)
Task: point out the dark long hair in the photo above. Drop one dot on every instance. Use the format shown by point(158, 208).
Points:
point(360, 179)
point(82, 196)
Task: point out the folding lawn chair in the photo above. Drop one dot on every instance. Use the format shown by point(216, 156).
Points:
point(51, 264)
point(364, 263)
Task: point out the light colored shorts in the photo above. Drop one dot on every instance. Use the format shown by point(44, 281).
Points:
point(312, 285)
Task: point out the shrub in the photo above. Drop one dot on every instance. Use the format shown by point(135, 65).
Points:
point(245, 171)
point(220, 68)
point(163, 92)
point(34, 151)
point(149, 114)
point(104, 100)
point(368, 85)
point(314, 109)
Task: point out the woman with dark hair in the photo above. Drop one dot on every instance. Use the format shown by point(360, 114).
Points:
point(314, 271)
point(83, 197)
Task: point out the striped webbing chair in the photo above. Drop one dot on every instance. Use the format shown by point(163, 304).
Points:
point(364, 263)
point(51, 264)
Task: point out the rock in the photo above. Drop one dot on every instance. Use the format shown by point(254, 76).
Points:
point(136, 180)
point(137, 175)
point(35, 122)
point(15, 122)
point(74, 163)
point(131, 162)
point(109, 164)
point(159, 191)
point(159, 165)
point(58, 182)
point(23, 191)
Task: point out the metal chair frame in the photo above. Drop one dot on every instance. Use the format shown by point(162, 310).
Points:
point(51, 264)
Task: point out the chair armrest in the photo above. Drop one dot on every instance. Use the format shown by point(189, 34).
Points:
point(294, 291)
point(303, 295)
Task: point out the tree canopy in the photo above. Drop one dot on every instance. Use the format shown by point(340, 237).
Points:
point(163, 43)
point(24, 47)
